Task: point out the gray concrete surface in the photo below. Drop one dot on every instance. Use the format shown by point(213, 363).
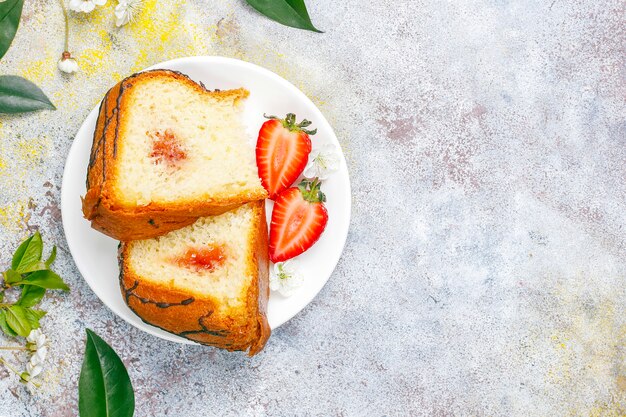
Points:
point(484, 273)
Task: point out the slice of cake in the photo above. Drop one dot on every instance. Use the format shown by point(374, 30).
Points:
point(165, 152)
point(207, 282)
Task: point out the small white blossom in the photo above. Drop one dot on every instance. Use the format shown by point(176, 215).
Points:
point(37, 338)
point(40, 355)
point(323, 161)
point(33, 335)
point(126, 11)
point(67, 64)
point(33, 370)
point(286, 278)
point(85, 6)
point(37, 343)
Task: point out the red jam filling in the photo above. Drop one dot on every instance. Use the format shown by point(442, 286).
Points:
point(203, 259)
point(166, 148)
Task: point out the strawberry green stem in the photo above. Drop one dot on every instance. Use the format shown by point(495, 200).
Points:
point(311, 191)
point(289, 122)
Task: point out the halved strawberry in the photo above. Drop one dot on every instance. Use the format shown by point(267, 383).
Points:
point(298, 220)
point(282, 151)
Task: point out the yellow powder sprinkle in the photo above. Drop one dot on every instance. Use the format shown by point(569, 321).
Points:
point(14, 217)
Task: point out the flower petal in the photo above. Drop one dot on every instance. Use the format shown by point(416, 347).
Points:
point(41, 354)
point(75, 5)
point(35, 370)
point(33, 335)
point(68, 65)
point(121, 21)
point(41, 340)
point(285, 278)
point(87, 6)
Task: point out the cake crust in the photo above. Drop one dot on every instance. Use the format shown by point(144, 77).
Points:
point(100, 205)
point(191, 315)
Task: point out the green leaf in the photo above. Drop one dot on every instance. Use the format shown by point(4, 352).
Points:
point(31, 295)
point(33, 316)
point(45, 279)
point(18, 95)
point(28, 253)
point(52, 257)
point(10, 13)
point(17, 321)
point(11, 277)
point(3, 324)
point(37, 266)
point(104, 388)
point(287, 12)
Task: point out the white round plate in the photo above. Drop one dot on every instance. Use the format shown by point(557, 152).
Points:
point(96, 254)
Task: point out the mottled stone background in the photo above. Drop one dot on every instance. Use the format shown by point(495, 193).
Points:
point(484, 273)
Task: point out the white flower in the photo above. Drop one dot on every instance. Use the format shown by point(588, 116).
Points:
point(37, 338)
point(37, 343)
point(323, 161)
point(85, 6)
point(40, 355)
point(33, 370)
point(126, 10)
point(285, 278)
point(67, 64)
point(33, 335)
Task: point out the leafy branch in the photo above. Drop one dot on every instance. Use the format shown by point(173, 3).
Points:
point(32, 276)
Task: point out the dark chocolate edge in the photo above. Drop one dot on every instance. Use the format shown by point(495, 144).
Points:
point(128, 293)
point(101, 143)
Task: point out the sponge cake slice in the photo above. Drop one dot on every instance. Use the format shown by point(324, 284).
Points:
point(165, 152)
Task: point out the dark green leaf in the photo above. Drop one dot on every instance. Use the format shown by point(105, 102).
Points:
point(16, 319)
point(52, 257)
point(104, 388)
point(28, 253)
point(31, 295)
point(10, 13)
point(18, 95)
point(3, 324)
point(11, 277)
point(1, 296)
point(287, 12)
point(45, 279)
point(33, 316)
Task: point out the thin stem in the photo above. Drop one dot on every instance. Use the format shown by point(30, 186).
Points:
point(10, 367)
point(17, 373)
point(13, 348)
point(67, 26)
